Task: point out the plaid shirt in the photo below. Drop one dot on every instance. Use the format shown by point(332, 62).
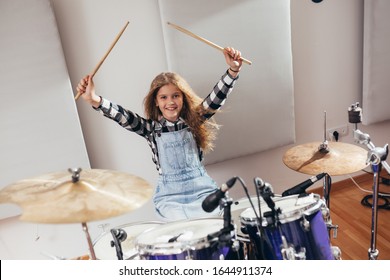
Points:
point(149, 129)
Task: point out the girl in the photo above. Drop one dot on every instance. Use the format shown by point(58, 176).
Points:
point(178, 128)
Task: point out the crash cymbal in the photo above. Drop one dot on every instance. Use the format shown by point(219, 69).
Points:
point(341, 159)
point(80, 197)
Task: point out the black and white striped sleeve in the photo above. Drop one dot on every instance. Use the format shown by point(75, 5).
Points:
point(217, 97)
point(125, 118)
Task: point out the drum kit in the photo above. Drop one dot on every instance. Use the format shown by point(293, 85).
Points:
point(294, 226)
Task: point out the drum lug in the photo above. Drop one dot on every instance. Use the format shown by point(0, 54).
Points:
point(289, 253)
point(305, 224)
point(325, 213)
point(330, 227)
point(336, 252)
point(189, 255)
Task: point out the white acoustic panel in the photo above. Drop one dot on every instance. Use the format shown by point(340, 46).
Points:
point(376, 62)
point(39, 124)
point(259, 115)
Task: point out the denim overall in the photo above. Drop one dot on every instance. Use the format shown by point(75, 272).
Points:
point(184, 182)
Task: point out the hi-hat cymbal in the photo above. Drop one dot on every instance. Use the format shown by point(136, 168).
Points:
point(95, 195)
point(342, 158)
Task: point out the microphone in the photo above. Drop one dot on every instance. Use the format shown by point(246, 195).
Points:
point(119, 234)
point(300, 188)
point(211, 202)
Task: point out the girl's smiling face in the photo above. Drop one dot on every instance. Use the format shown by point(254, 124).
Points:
point(169, 100)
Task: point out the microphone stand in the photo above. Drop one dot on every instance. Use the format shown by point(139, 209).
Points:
point(376, 156)
point(225, 234)
point(225, 237)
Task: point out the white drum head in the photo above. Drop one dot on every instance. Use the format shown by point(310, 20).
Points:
point(292, 208)
point(102, 246)
point(174, 238)
point(242, 204)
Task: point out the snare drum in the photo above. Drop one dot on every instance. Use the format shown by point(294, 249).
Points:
point(183, 240)
point(104, 250)
point(300, 234)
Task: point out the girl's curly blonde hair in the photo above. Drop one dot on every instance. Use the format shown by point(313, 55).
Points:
point(204, 130)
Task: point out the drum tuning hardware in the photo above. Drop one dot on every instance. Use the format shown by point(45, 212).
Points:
point(336, 252)
point(289, 253)
point(236, 245)
point(325, 214)
point(334, 228)
point(305, 224)
point(189, 255)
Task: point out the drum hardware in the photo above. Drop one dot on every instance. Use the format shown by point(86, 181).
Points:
point(102, 245)
point(327, 186)
point(324, 147)
point(376, 157)
point(99, 194)
point(288, 251)
point(265, 191)
point(224, 235)
point(334, 228)
point(336, 252)
point(118, 235)
point(305, 224)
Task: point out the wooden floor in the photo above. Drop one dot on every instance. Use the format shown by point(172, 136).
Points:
point(355, 220)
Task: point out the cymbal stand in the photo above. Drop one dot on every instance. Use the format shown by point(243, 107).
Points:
point(75, 177)
point(324, 149)
point(326, 189)
point(91, 250)
point(326, 212)
point(376, 156)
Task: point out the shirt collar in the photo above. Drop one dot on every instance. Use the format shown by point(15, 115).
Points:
point(164, 122)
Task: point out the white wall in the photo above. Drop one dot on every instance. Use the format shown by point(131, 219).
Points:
point(327, 59)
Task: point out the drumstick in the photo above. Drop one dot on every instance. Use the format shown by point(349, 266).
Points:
point(105, 55)
point(204, 40)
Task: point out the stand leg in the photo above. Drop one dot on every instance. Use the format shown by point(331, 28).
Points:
point(91, 250)
point(373, 252)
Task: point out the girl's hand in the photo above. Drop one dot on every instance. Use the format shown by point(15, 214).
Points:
point(233, 59)
point(86, 87)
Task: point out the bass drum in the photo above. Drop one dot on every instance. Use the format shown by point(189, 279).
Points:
point(104, 250)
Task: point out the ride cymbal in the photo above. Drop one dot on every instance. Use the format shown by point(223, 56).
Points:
point(85, 196)
point(341, 159)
